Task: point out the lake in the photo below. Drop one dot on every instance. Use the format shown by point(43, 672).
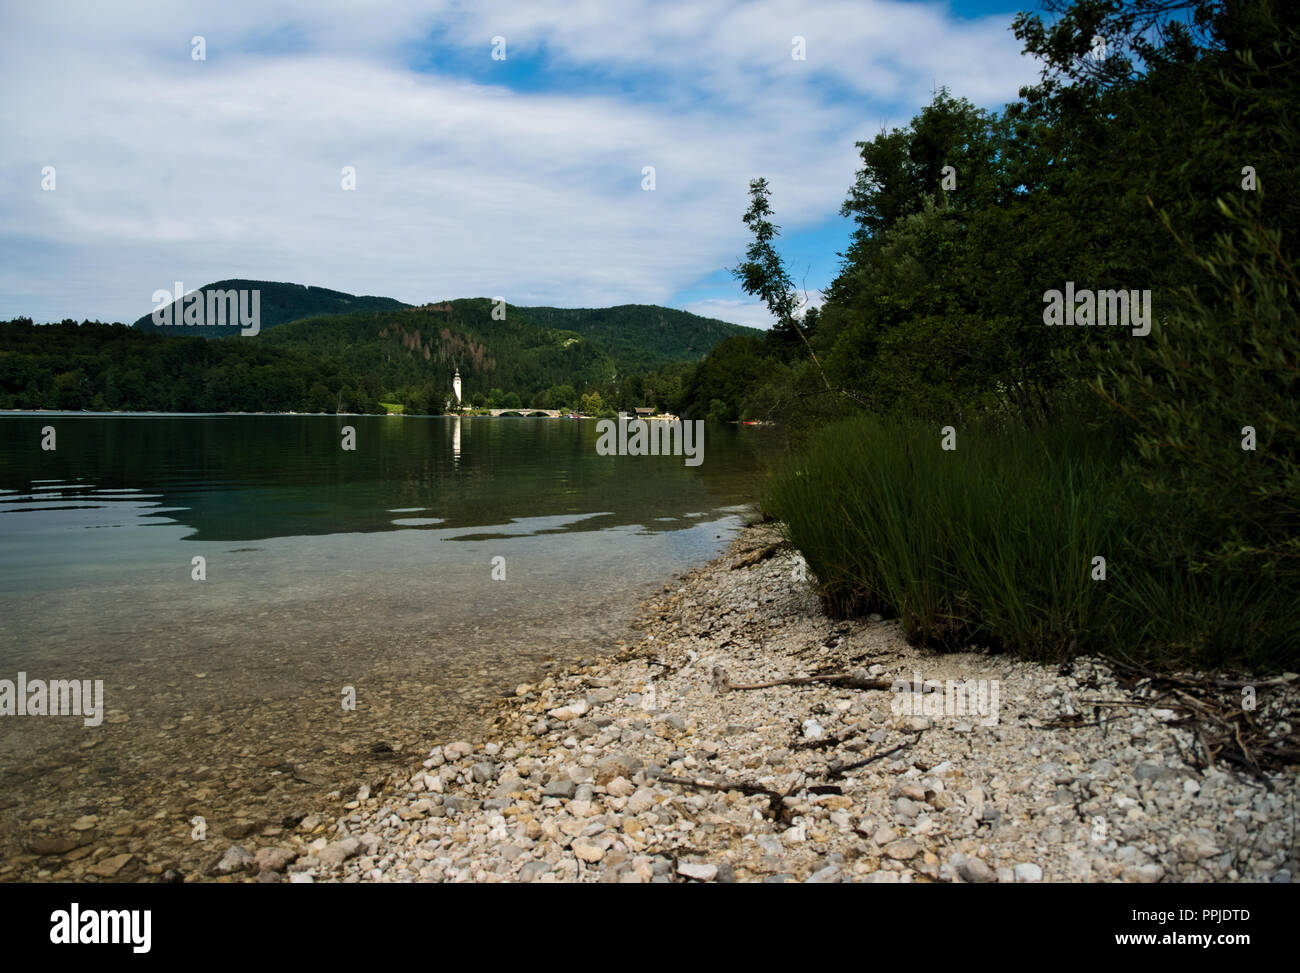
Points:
point(427, 571)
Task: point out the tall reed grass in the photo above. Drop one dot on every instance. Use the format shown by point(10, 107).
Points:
point(994, 543)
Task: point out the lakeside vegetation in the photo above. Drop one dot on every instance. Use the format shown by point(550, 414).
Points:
point(1167, 164)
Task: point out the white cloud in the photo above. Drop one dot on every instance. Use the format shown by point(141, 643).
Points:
point(171, 169)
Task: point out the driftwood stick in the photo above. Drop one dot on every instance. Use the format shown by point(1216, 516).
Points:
point(839, 772)
point(754, 556)
point(1241, 745)
point(858, 679)
point(1195, 704)
point(1209, 754)
point(835, 679)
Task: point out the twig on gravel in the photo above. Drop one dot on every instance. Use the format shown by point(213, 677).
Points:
point(1209, 754)
point(858, 679)
point(761, 554)
point(1074, 722)
point(1130, 703)
point(838, 772)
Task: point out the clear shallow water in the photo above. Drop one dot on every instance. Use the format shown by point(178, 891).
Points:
point(325, 568)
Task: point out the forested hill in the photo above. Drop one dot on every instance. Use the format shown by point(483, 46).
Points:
point(420, 348)
point(523, 349)
point(277, 304)
point(639, 337)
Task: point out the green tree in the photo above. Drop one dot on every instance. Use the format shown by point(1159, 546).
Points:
point(762, 273)
point(561, 397)
point(319, 399)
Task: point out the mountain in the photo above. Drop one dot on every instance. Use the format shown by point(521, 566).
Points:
point(618, 340)
point(638, 337)
point(277, 304)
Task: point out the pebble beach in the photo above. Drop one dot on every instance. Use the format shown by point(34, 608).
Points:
point(673, 759)
point(651, 766)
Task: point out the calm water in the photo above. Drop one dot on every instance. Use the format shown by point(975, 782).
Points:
point(325, 568)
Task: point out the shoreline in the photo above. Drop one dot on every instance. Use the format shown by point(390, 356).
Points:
point(668, 761)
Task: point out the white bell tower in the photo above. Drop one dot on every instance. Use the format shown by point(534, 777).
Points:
point(455, 387)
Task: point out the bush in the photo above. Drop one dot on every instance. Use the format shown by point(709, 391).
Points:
point(1221, 523)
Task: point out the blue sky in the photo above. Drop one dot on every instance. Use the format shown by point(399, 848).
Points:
point(475, 176)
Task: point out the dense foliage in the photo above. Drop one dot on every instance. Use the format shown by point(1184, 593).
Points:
point(111, 366)
point(1164, 160)
point(937, 310)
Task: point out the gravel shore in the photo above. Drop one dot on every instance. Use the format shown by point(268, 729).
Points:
point(655, 765)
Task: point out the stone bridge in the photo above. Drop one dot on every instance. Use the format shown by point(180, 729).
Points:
point(552, 413)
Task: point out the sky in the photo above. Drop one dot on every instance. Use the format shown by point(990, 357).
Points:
point(521, 175)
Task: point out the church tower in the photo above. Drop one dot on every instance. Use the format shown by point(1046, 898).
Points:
point(455, 387)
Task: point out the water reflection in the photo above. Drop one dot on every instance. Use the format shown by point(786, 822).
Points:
point(257, 477)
